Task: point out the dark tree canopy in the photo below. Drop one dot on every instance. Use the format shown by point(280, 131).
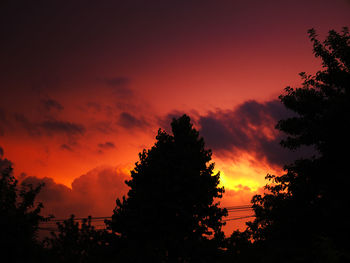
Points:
point(19, 217)
point(170, 207)
point(302, 215)
point(79, 243)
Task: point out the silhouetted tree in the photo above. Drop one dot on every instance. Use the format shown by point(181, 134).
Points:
point(302, 217)
point(239, 248)
point(170, 212)
point(19, 217)
point(79, 242)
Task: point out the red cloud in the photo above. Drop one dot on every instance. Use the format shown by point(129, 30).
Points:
point(93, 193)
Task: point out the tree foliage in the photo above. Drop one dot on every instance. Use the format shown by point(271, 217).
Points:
point(170, 208)
point(302, 215)
point(19, 217)
point(79, 242)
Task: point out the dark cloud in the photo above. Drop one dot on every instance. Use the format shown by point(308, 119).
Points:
point(1, 152)
point(51, 104)
point(93, 193)
point(129, 121)
point(250, 127)
point(32, 128)
point(218, 135)
point(16, 122)
point(62, 127)
point(66, 147)
point(119, 86)
point(106, 145)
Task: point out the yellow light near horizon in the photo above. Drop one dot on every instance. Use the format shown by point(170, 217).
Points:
point(243, 174)
point(238, 183)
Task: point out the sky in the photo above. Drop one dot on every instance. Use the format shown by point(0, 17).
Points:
point(85, 85)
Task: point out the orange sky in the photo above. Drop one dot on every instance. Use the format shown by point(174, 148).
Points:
point(84, 87)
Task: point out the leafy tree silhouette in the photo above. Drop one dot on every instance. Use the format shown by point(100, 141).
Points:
point(170, 213)
point(19, 217)
point(302, 217)
point(79, 243)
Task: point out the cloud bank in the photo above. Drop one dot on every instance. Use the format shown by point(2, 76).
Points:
point(93, 193)
point(250, 128)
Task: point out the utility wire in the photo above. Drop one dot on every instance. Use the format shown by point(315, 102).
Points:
point(238, 207)
point(237, 218)
point(230, 209)
point(96, 219)
point(240, 210)
point(77, 219)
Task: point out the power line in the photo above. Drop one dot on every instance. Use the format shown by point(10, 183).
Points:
point(230, 210)
point(237, 218)
point(239, 210)
point(238, 207)
point(78, 219)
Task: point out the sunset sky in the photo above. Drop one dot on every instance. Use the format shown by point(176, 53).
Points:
point(85, 85)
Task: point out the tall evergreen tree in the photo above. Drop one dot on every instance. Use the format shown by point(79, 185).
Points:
point(170, 210)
